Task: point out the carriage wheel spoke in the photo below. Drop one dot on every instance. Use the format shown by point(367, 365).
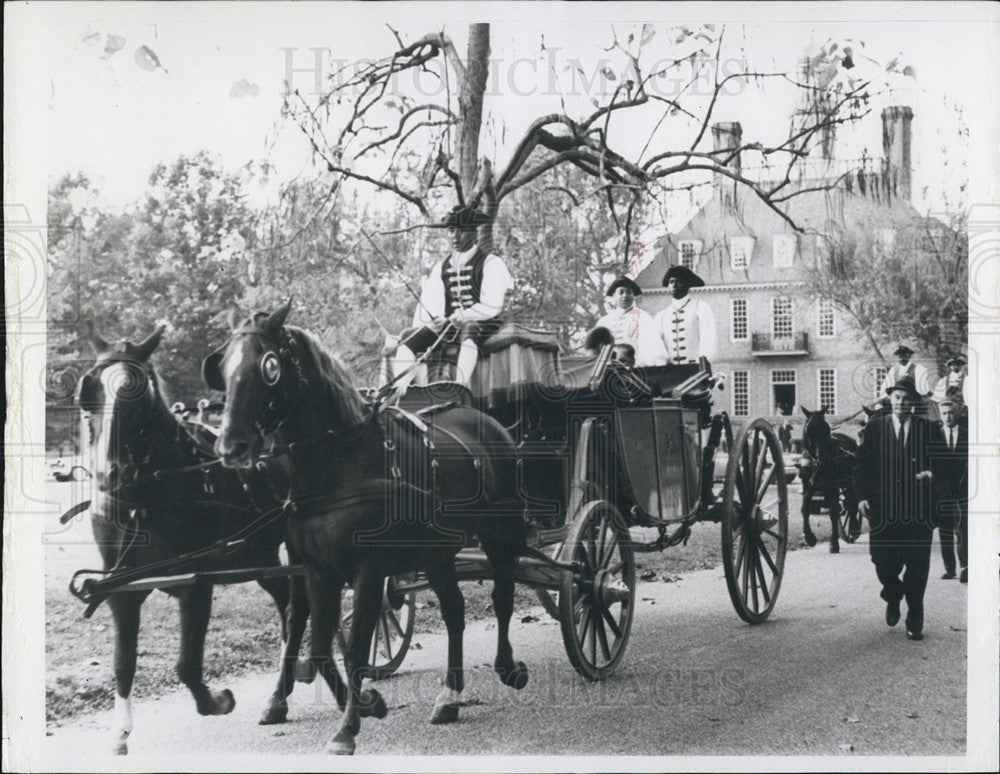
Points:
point(612, 623)
point(386, 638)
point(592, 635)
point(585, 623)
point(615, 568)
point(766, 483)
point(752, 570)
point(745, 575)
point(392, 619)
point(758, 472)
point(603, 635)
point(767, 556)
point(608, 544)
point(741, 554)
point(763, 580)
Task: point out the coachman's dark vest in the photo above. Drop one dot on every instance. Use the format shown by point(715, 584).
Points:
point(462, 286)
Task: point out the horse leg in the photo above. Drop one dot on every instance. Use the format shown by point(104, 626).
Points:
point(807, 533)
point(445, 585)
point(366, 612)
point(125, 610)
point(833, 506)
point(324, 610)
point(512, 673)
point(196, 610)
point(294, 617)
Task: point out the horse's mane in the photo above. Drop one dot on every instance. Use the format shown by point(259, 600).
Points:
point(341, 394)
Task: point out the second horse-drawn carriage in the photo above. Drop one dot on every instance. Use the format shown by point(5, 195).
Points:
point(539, 474)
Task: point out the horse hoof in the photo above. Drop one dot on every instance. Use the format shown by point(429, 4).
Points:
point(810, 539)
point(445, 713)
point(515, 678)
point(276, 713)
point(340, 747)
point(305, 671)
point(223, 703)
point(834, 548)
point(373, 705)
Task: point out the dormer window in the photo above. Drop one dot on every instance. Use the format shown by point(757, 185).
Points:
point(740, 252)
point(784, 251)
point(690, 252)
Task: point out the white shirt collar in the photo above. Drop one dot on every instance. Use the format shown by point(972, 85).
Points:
point(680, 303)
point(460, 259)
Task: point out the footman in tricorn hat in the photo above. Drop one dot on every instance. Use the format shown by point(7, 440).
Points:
point(630, 325)
point(898, 463)
point(907, 367)
point(466, 289)
point(687, 326)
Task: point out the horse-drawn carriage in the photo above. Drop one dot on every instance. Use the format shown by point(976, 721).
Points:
point(538, 475)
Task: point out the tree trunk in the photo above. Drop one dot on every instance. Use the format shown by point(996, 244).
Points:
point(470, 101)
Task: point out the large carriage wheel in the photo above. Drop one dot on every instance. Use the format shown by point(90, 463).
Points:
point(596, 604)
point(755, 522)
point(849, 520)
point(393, 632)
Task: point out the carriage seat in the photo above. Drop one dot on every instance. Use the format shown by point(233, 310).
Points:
point(516, 361)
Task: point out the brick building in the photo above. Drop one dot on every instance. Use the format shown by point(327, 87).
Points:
point(779, 347)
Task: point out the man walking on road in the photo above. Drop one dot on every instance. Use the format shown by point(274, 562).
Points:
point(953, 495)
point(893, 479)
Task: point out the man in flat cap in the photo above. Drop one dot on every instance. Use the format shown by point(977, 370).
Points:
point(907, 367)
point(467, 289)
point(687, 326)
point(630, 325)
point(897, 465)
point(953, 491)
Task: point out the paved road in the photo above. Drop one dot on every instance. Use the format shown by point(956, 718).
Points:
point(825, 676)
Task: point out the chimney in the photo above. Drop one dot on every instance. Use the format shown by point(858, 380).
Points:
point(727, 135)
point(896, 144)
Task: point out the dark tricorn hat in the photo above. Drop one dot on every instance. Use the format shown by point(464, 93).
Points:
point(959, 361)
point(623, 282)
point(690, 279)
point(905, 383)
point(903, 348)
point(464, 217)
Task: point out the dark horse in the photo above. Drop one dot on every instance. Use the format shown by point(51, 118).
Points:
point(376, 492)
point(156, 497)
point(826, 466)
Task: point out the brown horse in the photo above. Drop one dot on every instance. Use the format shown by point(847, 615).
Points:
point(377, 492)
point(156, 497)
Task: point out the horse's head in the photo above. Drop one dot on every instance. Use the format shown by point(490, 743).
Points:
point(259, 372)
point(117, 397)
point(816, 434)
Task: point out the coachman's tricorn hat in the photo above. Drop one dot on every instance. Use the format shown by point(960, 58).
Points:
point(464, 217)
point(907, 384)
point(683, 273)
point(623, 282)
point(956, 361)
point(903, 348)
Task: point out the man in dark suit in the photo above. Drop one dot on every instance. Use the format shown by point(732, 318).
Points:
point(952, 491)
point(893, 478)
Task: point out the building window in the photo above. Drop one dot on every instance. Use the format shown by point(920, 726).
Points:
point(828, 389)
point(738, 330)
point(880, 373)
point(827, 326)
point(781, 317)
point(784, 251)
point(690, 252)
point(741, 393)
point(783, 392)
point(740, 251)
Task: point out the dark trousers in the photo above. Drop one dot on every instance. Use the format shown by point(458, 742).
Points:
point(954, 533)
point(913, 559)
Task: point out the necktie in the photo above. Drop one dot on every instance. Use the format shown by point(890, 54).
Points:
point(951, 438)
point(902, 438)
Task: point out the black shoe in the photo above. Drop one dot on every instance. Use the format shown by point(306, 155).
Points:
point(892, 613)
point(912, 635)
point(948, 575)
point(964, 577)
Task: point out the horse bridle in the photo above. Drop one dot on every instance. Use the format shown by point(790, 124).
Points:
point(284, 392)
